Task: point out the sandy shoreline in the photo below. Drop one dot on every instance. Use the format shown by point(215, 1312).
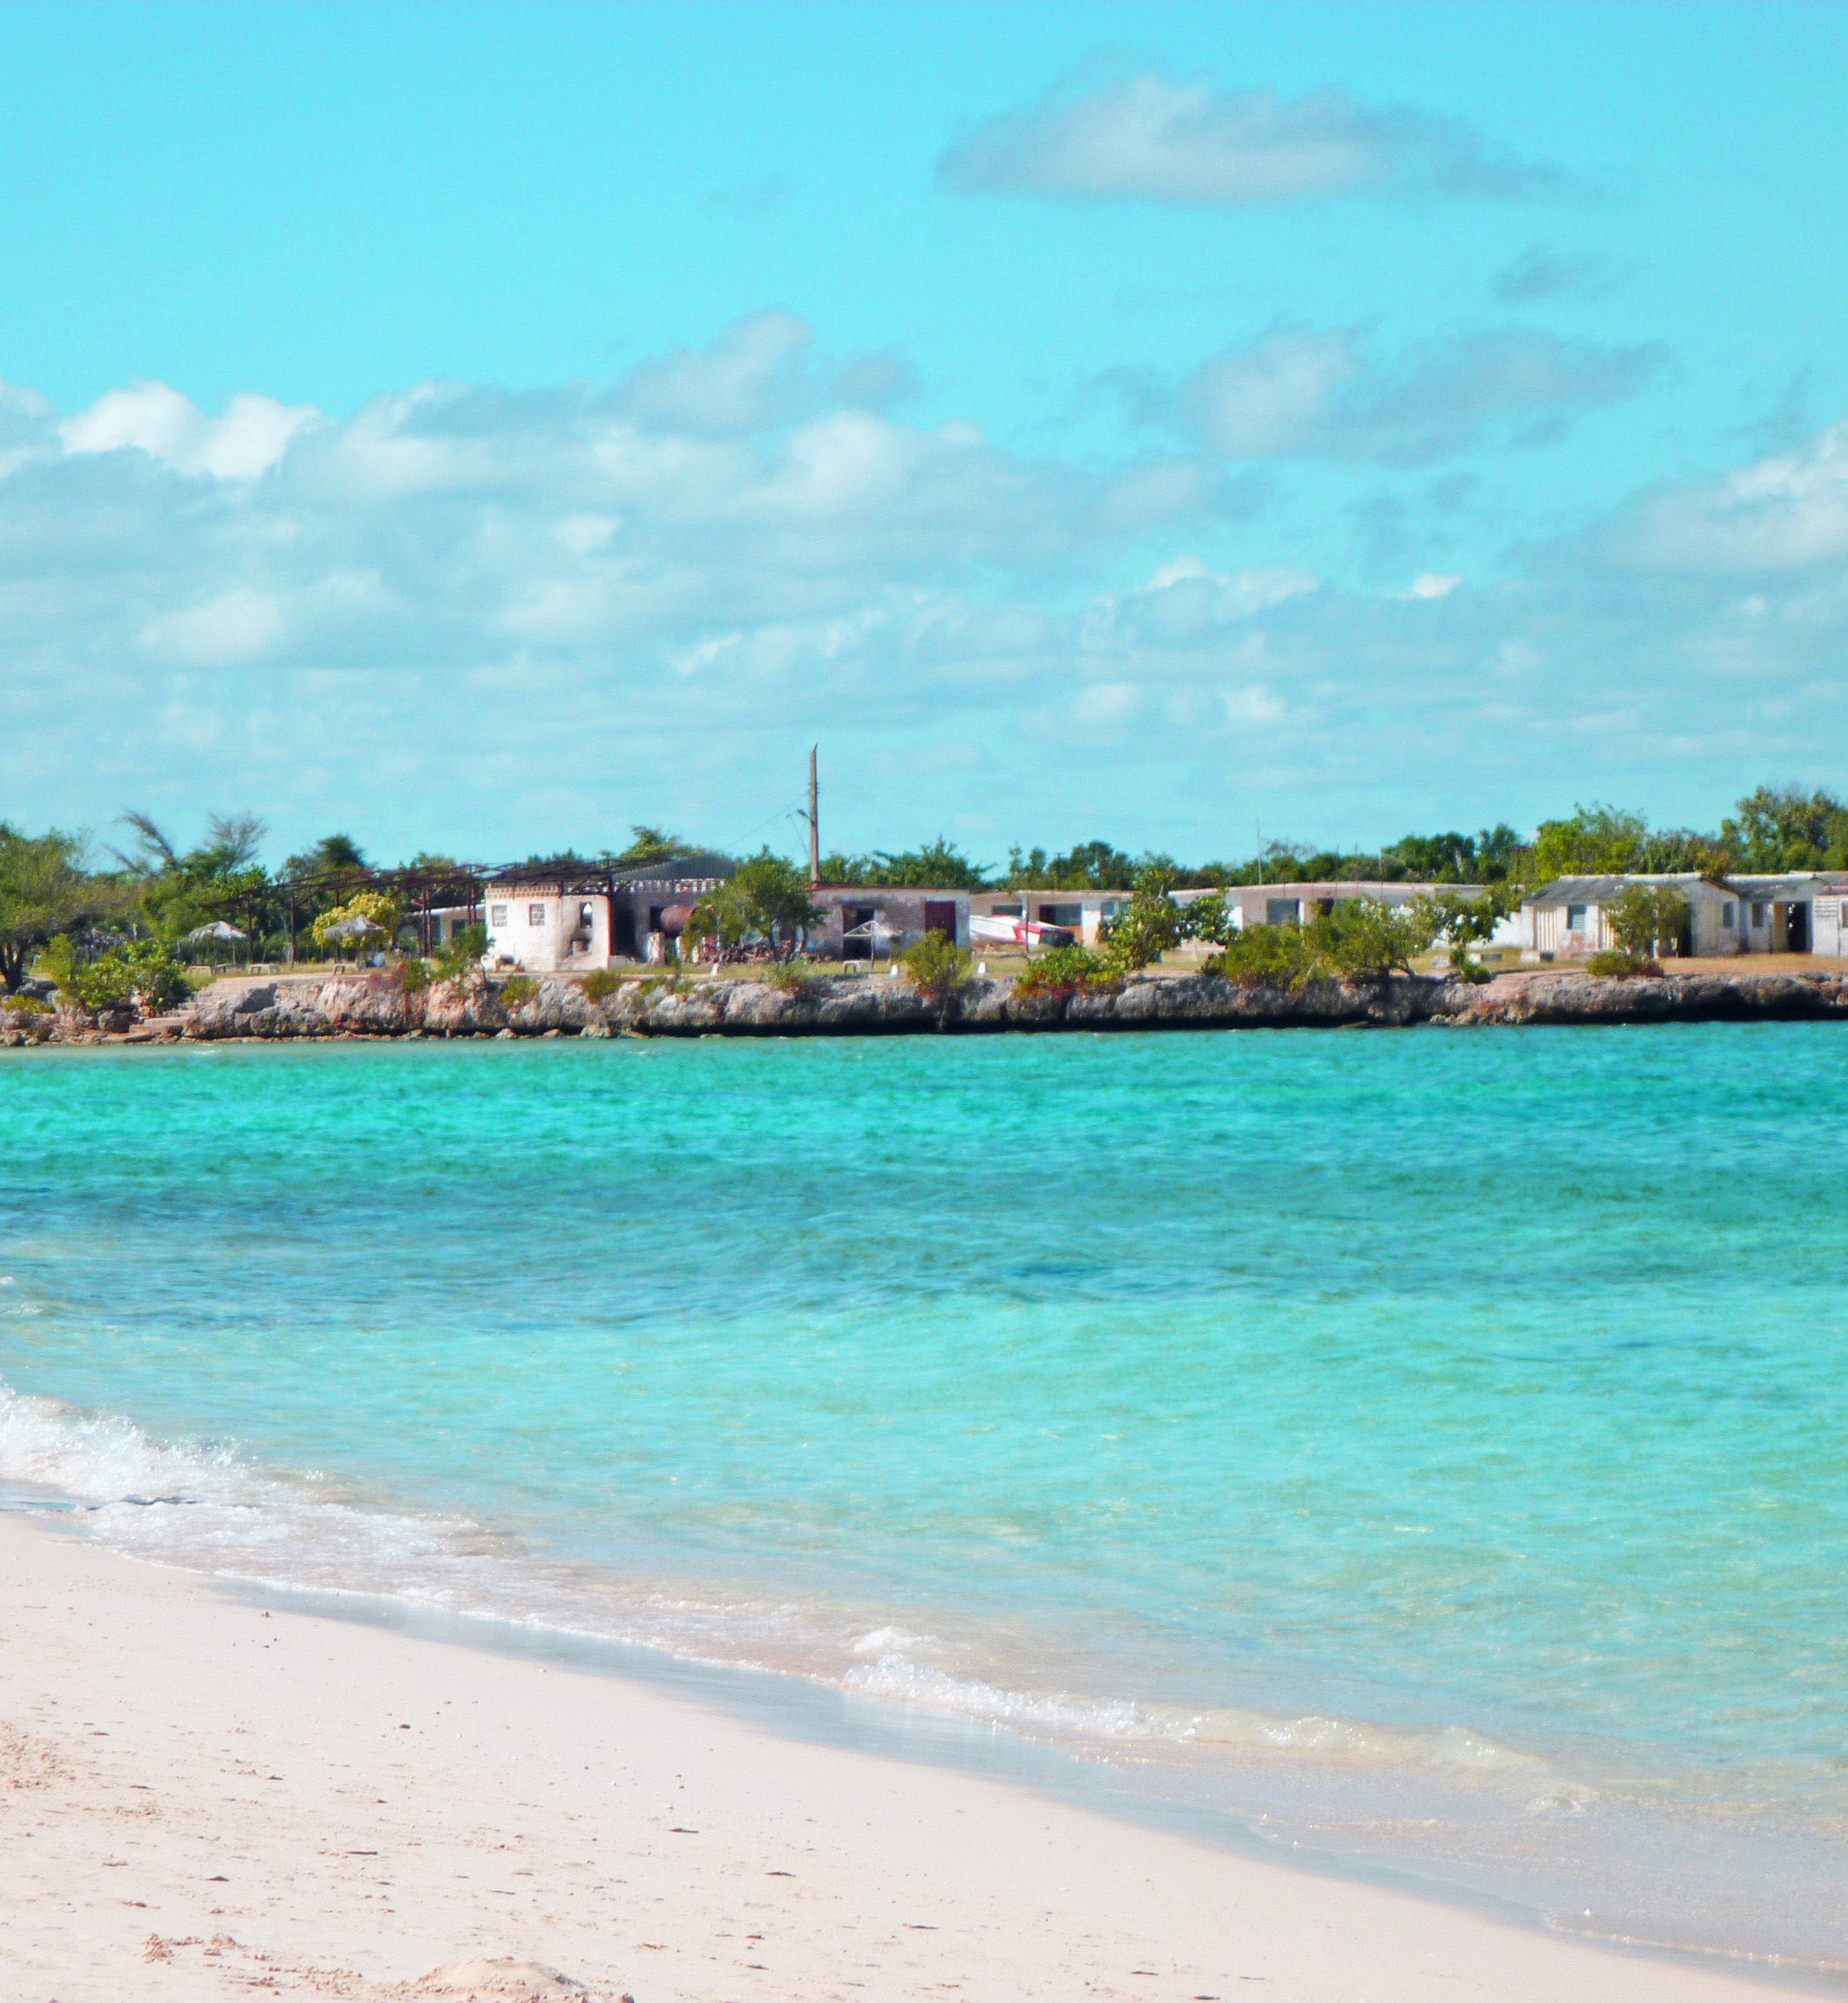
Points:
point(198, 1797)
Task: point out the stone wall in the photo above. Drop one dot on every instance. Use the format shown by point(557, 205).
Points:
point(847, 1005)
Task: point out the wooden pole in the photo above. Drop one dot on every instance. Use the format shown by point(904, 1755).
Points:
point(814, 825)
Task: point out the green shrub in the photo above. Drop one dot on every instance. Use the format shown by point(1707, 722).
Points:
point(936, 964)
point(517, 991)
point(452, 966)
point(1263, 956)
point(600, 983)
point(113, 979)
point(20, 1005)
point(414, 976)
point(1620, 964)
point(1063, 970)
point(155, 975)
point(789, 976)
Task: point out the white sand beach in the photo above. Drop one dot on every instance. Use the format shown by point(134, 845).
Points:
point(199, 1798)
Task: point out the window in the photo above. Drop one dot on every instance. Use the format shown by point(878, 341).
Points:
point(1760, 917)
point(536, 913)
point(1575, 917)
point(1072, 916)
point(1726, 917)
point(496, 913)
point(1281, 911)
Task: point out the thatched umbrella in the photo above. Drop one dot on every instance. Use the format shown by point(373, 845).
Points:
point(216, 930)
point(355, 928)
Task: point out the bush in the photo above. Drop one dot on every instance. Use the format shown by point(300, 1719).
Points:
point(452, 966)
point(155, 975)
point(414, 976)
point(1064, 969)
point(517, 991)
point(1620, 964)
point(1364, 939)
point(936, 964)
point(789, 976)
point(23, 1005)
point(115, 979)
point(600, 983)
point(1262, 956)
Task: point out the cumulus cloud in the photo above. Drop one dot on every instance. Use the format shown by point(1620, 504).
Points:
point(1296, 392)
point(501, 618)
point(761, 371)
point(1145, 137)
point(247, 440)
point(1784, 513)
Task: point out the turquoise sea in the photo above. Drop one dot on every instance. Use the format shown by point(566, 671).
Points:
point(1427, 1449)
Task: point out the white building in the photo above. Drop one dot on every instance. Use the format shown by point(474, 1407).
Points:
point(1806, 912)
point(547, 927)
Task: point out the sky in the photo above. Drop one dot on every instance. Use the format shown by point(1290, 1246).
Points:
point(482, 429)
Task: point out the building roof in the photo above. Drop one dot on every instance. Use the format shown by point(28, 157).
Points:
point(1602, 889)
point(1797, 884)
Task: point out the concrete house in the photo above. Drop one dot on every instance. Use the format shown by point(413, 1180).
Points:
point(869, 922)
point(571, 917)
point(1805, 912)
point(1792, 914)
point(1297, 904)
point(1570, 918)
point(1084, 912)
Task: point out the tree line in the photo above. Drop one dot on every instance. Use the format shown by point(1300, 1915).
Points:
point(150, 891)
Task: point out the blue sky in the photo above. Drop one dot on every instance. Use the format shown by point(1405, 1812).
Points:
point(483, 428)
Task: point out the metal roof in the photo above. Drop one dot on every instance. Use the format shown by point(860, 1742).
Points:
point(1602, 889)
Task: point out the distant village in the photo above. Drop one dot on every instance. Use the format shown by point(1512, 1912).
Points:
point(1773, 879)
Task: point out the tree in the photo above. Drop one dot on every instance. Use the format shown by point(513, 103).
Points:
point(1148, 927)
point(725, 916)
point(173, 893)
point(330, 856)
point(44, 890)
point(938, 863)
point(372, 906)
point(1596, 841)
point(649, 845)
point(1368, 941)
point(1463, 924)
point(768, 899)
point(1784, 827)
point(776, 896)
point(1646, 918)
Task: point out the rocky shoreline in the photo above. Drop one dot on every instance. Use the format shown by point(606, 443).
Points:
point(376, 1005)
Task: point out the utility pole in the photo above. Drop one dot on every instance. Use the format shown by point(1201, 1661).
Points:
point(814, 824)
point(1258, 830)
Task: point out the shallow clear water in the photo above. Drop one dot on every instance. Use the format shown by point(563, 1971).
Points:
point(1435, 1443)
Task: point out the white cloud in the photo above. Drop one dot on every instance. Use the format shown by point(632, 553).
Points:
point(1144, 137)
point(246, 442)
point(1431, 584)
point(1296, 392)
point(469, 618)
point(1784, 513)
